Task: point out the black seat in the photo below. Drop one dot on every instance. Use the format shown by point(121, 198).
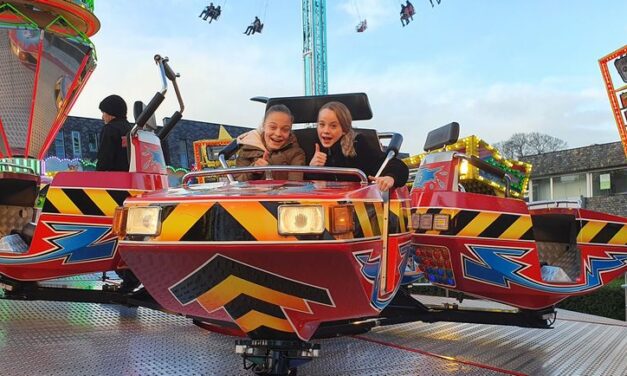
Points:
point(308, 137)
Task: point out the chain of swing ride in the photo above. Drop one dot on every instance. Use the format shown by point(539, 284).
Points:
point(212, 13)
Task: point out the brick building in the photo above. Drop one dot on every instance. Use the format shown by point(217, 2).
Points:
point(79, 138)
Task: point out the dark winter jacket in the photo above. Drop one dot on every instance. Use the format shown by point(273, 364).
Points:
point(113, 151)
point(254, 148)
point(368, 160)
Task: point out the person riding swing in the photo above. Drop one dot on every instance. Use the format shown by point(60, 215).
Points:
point(255, 27)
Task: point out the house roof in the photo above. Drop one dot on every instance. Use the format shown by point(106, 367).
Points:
point(593, 157)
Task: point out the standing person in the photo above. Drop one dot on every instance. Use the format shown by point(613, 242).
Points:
point(272, 144)
point(112, 154)
point(339, 146)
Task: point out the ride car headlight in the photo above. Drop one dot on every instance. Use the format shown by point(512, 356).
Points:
point(441, 222)
point(463, 168)
point(425, 222)
point(342, 219)
point(143, 220)
point(301, 219)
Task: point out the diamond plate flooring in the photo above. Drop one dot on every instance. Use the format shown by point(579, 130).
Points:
point(57, 338)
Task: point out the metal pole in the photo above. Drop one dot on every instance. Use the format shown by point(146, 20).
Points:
point(625, 287)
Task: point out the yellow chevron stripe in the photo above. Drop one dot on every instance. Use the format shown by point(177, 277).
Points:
point(402, 217)
point(255, 219)
point(62, 202)
point(517, 229)
point(232, 286)
point(254, 319)
point(589, 231)
point(378, 209)
point(182, 218)
point(620, 238)
point(103, 200)
point(478, 224)
point(362, 217)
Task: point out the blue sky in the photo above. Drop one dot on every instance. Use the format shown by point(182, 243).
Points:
point(495, 66)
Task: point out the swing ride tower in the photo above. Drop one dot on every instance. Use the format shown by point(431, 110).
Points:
point(315, 47)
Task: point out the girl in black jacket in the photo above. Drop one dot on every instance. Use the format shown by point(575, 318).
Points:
point(339, 146)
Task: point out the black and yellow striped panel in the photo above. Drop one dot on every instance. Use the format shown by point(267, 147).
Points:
point(482, 224)
point(600, 232)
point(399, 216)
point(234, 220)
point(84, 201)
point(254, 298)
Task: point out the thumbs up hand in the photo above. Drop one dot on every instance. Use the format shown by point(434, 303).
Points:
point(319, 158)
point(263, 161)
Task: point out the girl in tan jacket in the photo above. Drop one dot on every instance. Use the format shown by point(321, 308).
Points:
point(272, 144)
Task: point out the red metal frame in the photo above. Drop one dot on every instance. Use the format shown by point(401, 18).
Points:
point(32, 106)
point(5, 140)
point(66, 110)
point(611, 93)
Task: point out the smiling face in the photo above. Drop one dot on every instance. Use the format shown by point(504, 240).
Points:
point(329, 128)
point(276, 130)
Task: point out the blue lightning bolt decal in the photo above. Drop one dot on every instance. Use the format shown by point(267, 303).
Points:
point(426, 175)
point(497, 267)
point(80, 243)
point(370, 270)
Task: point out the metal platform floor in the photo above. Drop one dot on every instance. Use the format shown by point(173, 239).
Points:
point(55, 338)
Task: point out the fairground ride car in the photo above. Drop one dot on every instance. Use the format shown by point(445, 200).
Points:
point(285, 262)
point(71, 234)
point(529, 256)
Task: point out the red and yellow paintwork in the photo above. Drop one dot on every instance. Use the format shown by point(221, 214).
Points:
point(227, 263)
point(492, 248)
point(72, 233)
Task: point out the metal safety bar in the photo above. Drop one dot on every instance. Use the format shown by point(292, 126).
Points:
point(393, 148)
point(307, 169)
point(625, 287)
point(29, 169)
point(156, 99)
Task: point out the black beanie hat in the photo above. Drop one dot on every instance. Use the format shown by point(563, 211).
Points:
point(113, 105)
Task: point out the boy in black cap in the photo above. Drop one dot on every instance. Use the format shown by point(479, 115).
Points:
point(112, 154)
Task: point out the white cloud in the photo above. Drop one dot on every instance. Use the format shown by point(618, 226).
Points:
point(221, 69)
point(415, 99)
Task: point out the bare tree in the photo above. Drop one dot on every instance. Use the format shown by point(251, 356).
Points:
point(521, 144)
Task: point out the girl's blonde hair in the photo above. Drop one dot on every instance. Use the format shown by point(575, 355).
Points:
point(344, 117)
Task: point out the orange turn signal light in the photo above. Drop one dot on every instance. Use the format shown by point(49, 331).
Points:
point(118, 226)
point(342, 219)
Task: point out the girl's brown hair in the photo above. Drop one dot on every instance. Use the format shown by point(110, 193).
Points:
point(344, 117)
point(276, 108)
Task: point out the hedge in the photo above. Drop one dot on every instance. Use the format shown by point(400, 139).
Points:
point(608, 301)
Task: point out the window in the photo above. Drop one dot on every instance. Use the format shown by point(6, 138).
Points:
point(541, 189)
point(182, 153)
point(608, 183)
point(59, 146)
point(92, 139)
point(569, 186)
point(76, 144)
point(213, 152)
